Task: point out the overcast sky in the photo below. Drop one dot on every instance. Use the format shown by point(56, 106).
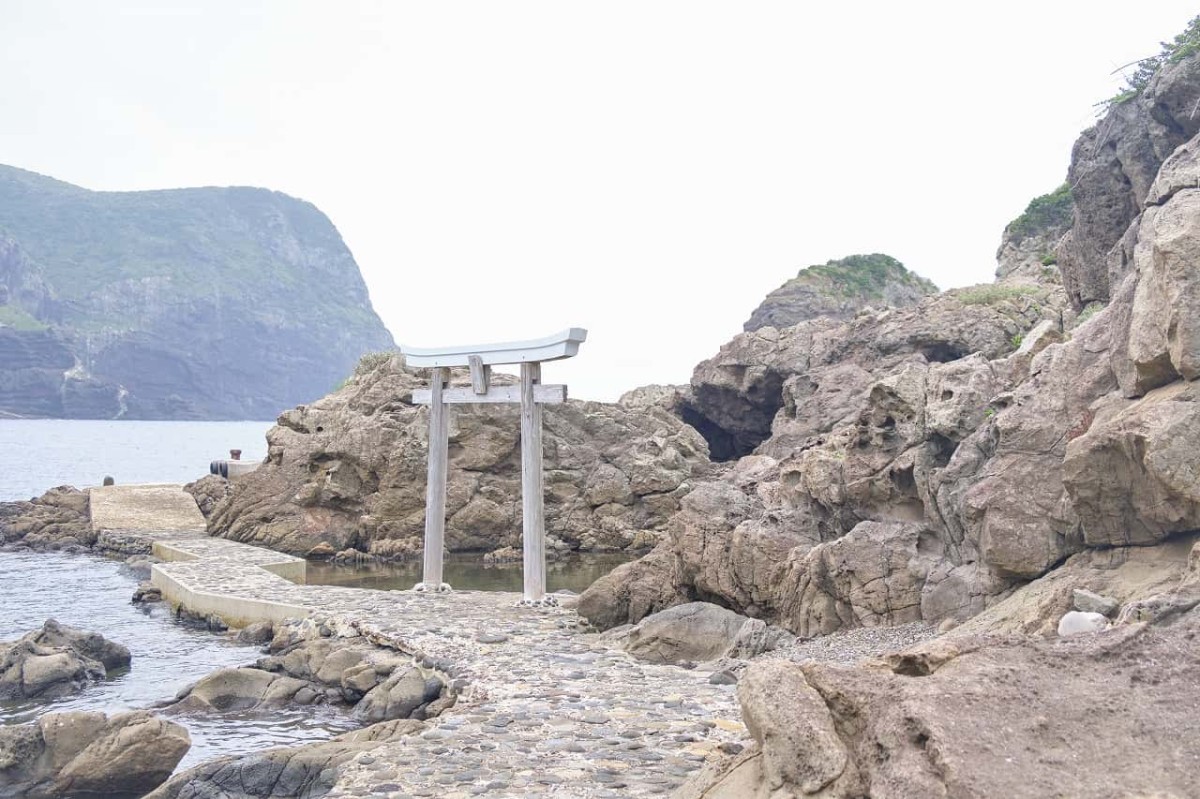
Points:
point(647, 170)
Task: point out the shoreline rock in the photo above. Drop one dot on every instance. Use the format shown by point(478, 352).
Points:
point(55, 661)
point(89, 754)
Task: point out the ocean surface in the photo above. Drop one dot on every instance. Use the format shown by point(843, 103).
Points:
point(93, 593)
point(36, 455)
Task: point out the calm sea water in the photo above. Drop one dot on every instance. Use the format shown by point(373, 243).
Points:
point(93, 593)
point(36, 455)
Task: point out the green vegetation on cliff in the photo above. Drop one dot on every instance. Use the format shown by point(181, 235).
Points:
point(838, 289)
point(867, 276)
point(231, 303)
point(19, 319)
point(1172, 52)
point(1044, 213)
point(207, 243)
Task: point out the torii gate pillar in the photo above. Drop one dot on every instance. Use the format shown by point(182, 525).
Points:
point(531, 394)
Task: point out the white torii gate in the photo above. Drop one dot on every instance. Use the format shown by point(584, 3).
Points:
point(532, 395)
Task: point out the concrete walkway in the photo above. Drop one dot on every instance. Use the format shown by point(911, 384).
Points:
point(543, 709)
point(163, 508)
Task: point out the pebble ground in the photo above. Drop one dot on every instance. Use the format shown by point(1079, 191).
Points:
point(543, 707)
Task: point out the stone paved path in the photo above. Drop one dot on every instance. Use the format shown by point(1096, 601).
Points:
point(543, 709)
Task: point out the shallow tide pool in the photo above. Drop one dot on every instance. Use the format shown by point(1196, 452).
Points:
point(468, 572)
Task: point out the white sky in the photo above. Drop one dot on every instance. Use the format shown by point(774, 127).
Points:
point(648, 170)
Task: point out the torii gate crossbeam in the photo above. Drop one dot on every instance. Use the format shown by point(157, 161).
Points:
point(531, 394)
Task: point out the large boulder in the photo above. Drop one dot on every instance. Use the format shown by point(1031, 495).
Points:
point(1132, 476)
point(308, 665)
point(1164, 336)
point(234, 689)
point(970, 719)
point(694, 632)
point(55, 661)
point(310, 770)
point(82, 754)
point(632, 591)
point(873, 576)
point(349, 471)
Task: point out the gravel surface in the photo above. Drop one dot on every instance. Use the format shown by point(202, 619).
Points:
point(850, 646)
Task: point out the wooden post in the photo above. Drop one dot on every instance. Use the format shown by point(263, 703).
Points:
point(533, 517)
point(435, 489)
point(532, 395)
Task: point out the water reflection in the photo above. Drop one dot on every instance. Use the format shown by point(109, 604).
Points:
point(468, 572)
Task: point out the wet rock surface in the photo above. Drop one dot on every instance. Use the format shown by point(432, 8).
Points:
point(83, 754)
point(58, 519)
point(55, 661)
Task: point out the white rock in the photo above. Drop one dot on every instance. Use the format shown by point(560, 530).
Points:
point(1076, 622)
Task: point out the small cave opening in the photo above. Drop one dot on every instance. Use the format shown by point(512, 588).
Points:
point(942, 352)
point(734, 423)
point(721, 443)
point(942, 448)
point(905, 481)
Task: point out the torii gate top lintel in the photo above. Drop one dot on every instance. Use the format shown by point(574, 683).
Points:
point(531, 394)
point(563, 344)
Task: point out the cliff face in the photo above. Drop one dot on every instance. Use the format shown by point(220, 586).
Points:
point(1113, 165)
point(215, 303)
point(980, 454)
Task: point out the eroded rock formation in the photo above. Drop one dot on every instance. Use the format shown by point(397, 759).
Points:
point(83, 754)
point(839, 289)
point(975, 717)
point(925, 463)
point(56, 660)
point(349, 472)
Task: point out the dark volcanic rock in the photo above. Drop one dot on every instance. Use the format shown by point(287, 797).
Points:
point(55, 661)
point(230, 303)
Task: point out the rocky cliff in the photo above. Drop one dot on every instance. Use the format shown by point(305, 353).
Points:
point(215, 303)
point(348, 472)
point(943, 460)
